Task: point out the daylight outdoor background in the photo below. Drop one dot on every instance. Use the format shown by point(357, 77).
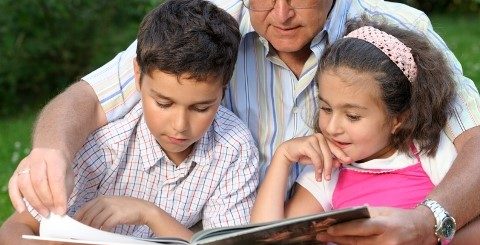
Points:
point(47, 44)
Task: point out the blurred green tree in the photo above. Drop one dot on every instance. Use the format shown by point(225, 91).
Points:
point(47, 44)
point(442, 6)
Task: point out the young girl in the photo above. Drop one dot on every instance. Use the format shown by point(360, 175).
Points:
point(385, 95)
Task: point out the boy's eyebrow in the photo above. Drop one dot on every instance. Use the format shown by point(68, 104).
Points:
point(346, 105)
point(161, 96)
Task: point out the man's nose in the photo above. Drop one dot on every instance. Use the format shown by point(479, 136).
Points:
point(282, 10)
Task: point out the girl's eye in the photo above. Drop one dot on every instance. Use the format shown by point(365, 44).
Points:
point(353, 117)
point(326, 109)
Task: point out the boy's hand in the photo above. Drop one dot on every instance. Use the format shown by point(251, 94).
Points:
point(106, 212)
point(45, 179)
point(315, 150)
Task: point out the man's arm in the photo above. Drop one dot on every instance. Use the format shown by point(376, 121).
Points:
point(17, 225)
point(60, 131)
point(458, 191)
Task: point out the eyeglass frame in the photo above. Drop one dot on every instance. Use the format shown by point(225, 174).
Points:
point(273, 6)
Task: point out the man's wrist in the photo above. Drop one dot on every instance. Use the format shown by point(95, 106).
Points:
point(445, 225)
point(425, 224)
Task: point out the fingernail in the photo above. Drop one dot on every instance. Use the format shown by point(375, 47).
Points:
point(328, 177)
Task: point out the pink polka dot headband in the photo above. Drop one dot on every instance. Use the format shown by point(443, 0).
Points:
point(397, 51)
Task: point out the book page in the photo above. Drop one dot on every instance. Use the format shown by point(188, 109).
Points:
point(66, 229)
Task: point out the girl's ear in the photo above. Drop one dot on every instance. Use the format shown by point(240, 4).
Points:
point(397, 122)
point(138, 74)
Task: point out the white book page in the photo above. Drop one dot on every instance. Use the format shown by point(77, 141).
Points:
point(66, 229)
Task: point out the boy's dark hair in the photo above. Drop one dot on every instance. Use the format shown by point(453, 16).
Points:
point(426, 103)
point(192, 37)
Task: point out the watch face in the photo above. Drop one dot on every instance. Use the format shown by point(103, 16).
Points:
point(448, 228)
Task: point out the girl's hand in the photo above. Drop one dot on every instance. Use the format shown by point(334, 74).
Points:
point(106, 212)
point(315, 150)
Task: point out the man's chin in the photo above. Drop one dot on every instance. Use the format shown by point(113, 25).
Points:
point(288, 46)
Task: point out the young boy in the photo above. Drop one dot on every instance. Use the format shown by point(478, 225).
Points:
point(178, 157)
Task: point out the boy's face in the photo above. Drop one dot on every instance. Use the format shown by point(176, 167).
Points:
point(178, 111)
point(353, 116)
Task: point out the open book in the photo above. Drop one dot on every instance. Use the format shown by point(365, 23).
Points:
point(294, 230)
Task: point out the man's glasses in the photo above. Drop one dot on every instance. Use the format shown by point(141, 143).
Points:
point(267, 5)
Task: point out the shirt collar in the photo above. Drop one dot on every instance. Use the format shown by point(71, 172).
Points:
point(149, 150)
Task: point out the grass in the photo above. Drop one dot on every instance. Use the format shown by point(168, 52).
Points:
point(14, 145)
point(462, 35)
point(460, 32)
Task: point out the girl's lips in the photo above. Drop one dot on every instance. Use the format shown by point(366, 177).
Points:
point(341, 145)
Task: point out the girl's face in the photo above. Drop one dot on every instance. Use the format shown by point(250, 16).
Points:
point(352, 114)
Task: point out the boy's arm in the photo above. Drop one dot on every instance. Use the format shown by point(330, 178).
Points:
point(60, 131)
point(162, 224)
point(15, 226)
point(106, 212)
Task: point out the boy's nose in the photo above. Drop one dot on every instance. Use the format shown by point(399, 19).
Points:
point(180, 121)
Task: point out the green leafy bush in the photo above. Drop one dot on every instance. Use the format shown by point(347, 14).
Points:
point(47, 44)
point(443, 6)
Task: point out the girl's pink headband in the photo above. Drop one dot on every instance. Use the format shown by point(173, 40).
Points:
point(397, 51)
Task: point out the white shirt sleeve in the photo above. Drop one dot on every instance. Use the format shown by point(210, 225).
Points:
point(437, 166)
point(322, 191)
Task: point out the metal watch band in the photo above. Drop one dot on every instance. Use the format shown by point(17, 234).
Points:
point(442, 231)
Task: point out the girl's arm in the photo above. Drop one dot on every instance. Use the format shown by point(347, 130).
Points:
point(269, 204)
point(314, 150)
point(302, 203)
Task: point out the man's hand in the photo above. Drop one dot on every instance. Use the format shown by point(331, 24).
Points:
point(45, 179)
point(386, 226)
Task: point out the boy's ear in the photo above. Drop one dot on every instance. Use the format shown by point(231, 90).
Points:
point(138, 72)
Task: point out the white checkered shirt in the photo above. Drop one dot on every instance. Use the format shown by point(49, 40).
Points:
point(216, 183)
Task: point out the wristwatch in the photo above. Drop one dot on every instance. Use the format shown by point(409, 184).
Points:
point(445, 224)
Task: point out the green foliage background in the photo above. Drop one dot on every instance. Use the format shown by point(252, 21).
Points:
point(47, 44)
point(443, 6)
